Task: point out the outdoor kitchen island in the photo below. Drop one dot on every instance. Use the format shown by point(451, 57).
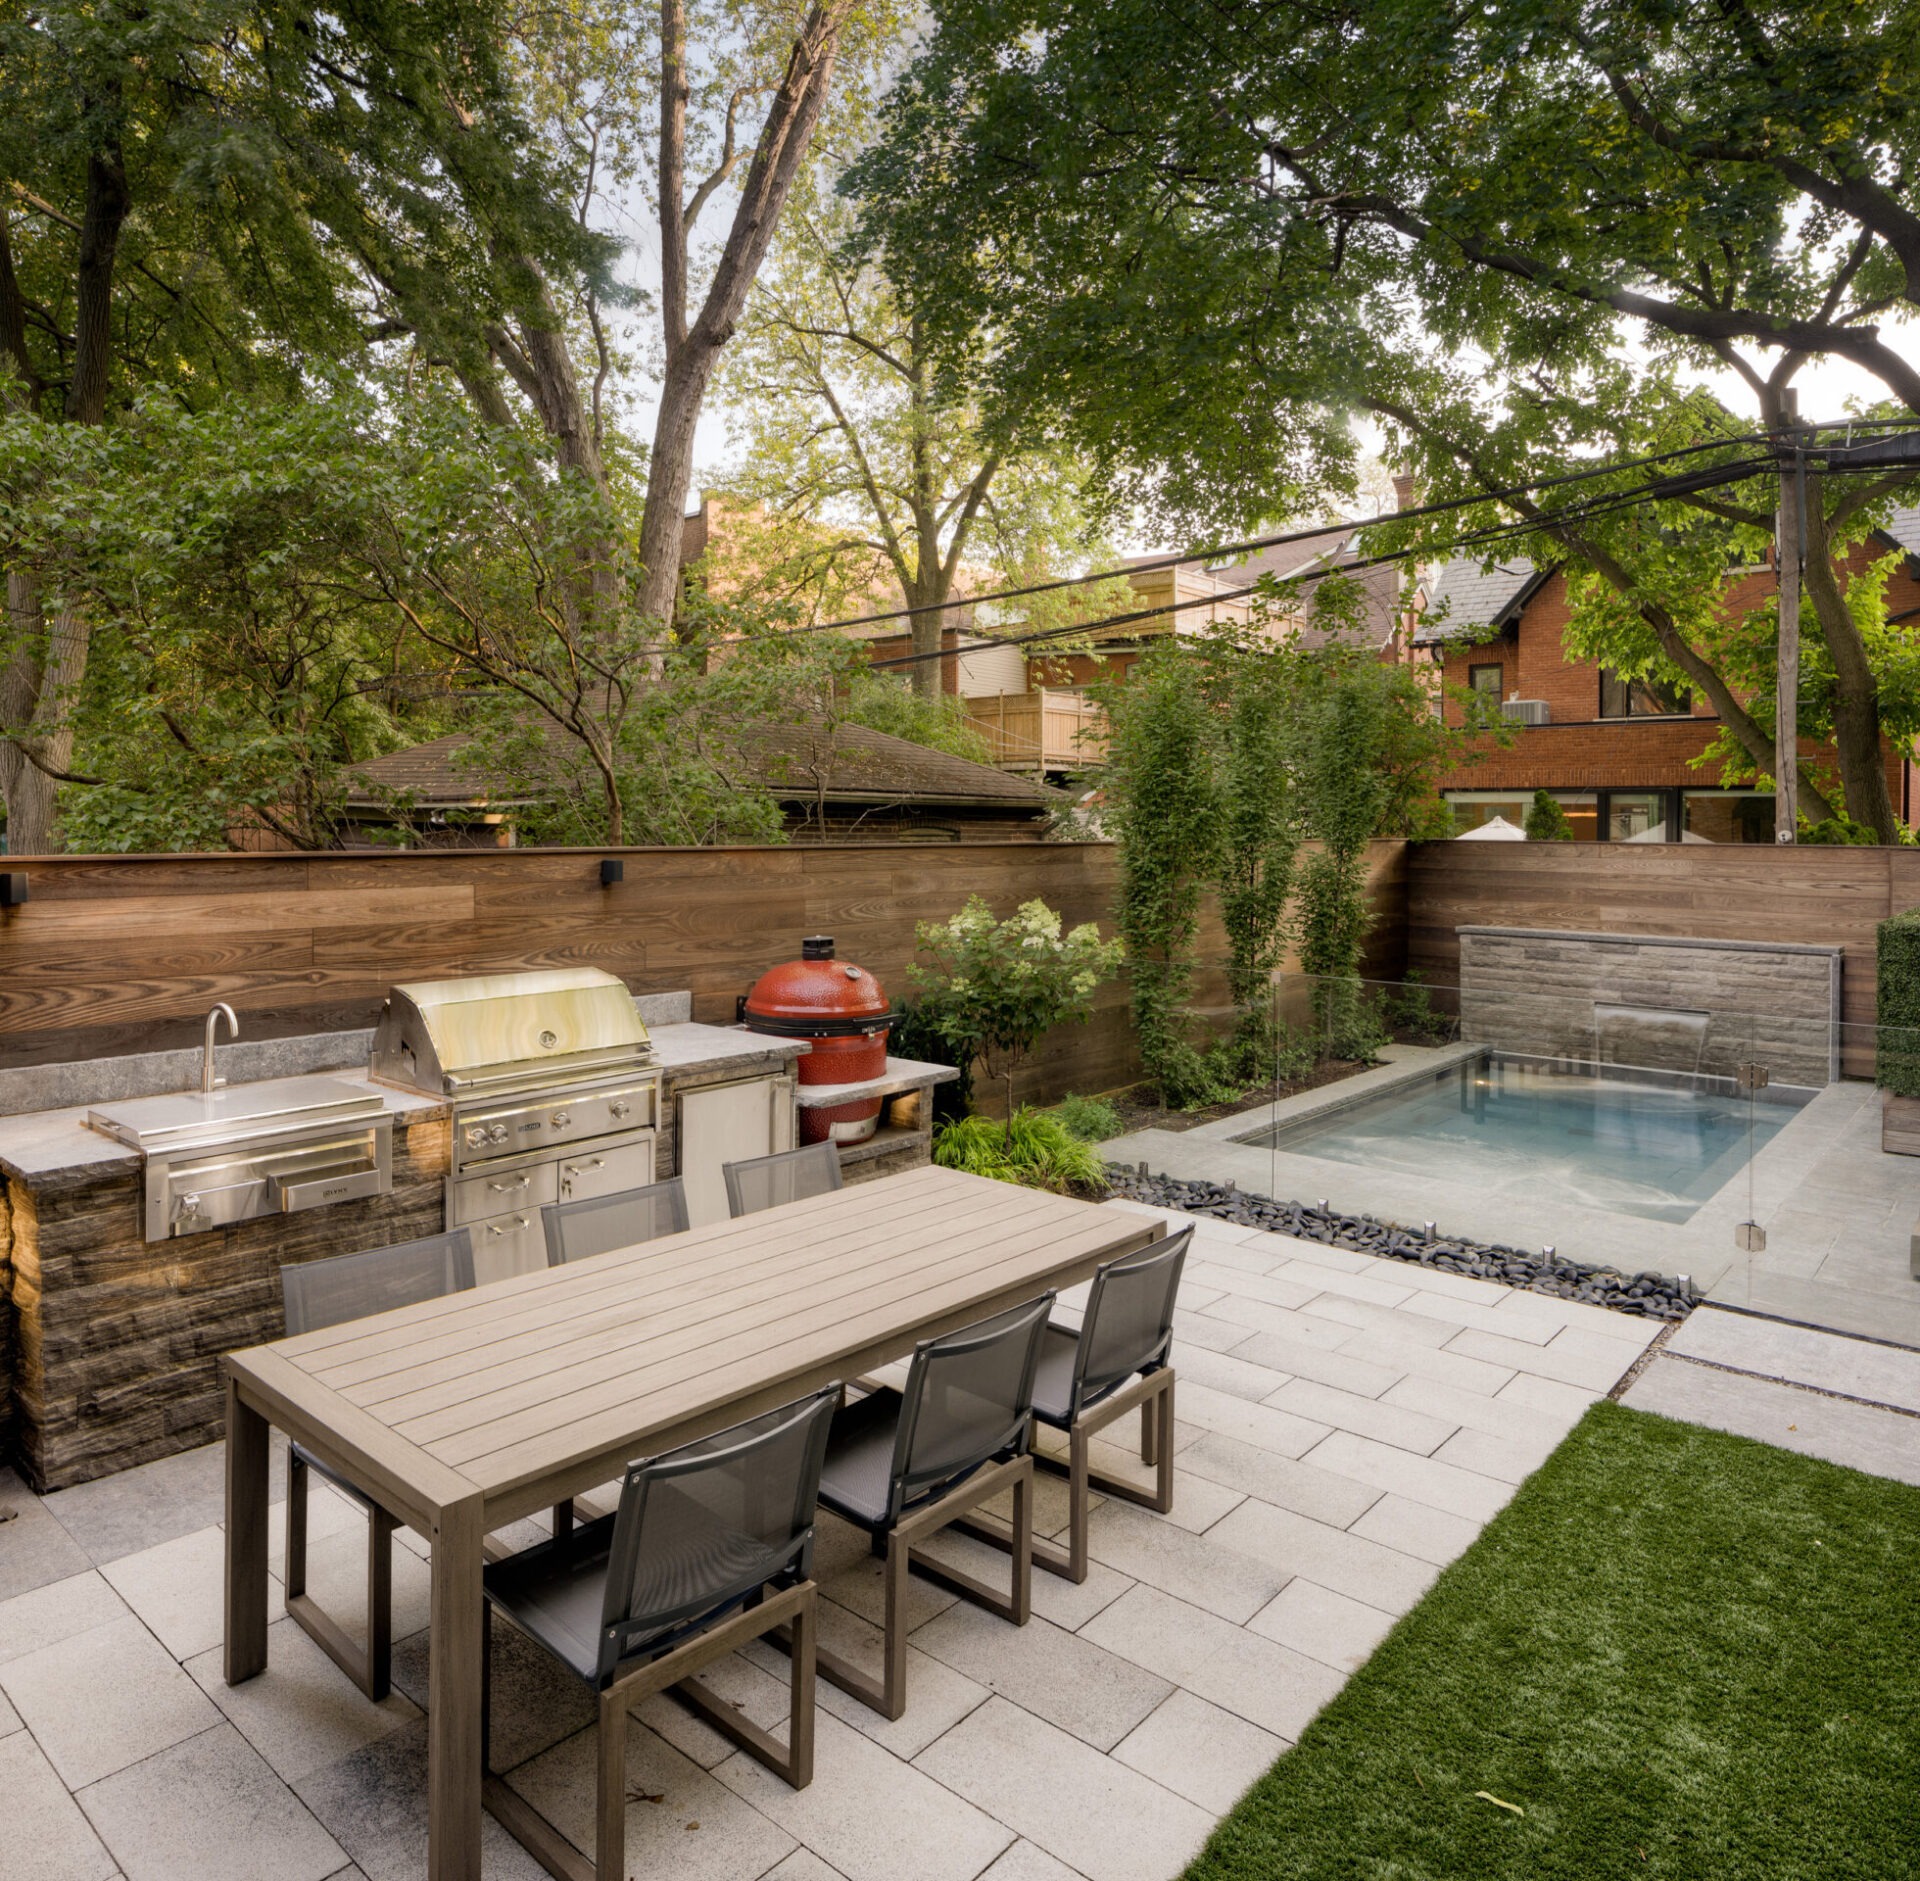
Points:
point(111, 1342)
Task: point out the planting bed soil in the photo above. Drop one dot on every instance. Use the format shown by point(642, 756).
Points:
point(1140, 1107)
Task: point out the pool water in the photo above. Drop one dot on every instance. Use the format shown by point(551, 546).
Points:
point(1600, 1139)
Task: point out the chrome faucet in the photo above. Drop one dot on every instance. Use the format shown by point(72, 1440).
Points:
point(208, 1082)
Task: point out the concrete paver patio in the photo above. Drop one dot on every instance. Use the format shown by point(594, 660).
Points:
point(1345, 1428)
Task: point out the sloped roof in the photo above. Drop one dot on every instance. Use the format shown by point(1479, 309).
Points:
point(1333, 548)
point(1469, 600)
point(1903, 528)
point(862, 767)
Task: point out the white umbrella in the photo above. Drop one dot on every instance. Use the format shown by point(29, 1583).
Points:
point(1658, 834)
point(1496, 829)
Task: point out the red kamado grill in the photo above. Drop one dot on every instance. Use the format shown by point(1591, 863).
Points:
point(842, 1011)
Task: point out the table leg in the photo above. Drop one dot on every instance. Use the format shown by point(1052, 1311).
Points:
point(453, 1694)
point(246, 1588)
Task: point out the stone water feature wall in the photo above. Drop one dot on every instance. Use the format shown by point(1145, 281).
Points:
point(1653, 1001)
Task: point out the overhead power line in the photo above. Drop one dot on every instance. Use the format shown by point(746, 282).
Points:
point(1284, 539)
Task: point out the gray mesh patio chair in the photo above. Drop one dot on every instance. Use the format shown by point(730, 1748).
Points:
point(791, 1176)
point(711, 1547)
point(1118, 1359)
point(329, 1293)
point(602, 1223)
point(905, 1464)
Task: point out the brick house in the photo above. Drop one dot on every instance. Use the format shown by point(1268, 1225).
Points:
point(1620, 756)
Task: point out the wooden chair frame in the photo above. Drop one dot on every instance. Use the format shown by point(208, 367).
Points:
point(1152, 1396)
point(792, 1612)
point(888, 1693)
point(369, 1666)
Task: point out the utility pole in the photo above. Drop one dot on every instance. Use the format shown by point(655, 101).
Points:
point(1789, 537)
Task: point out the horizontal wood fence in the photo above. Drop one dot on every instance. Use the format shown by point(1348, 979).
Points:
point(127, 953)
point(1828, 897)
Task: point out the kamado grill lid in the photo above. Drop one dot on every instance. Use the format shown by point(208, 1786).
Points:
point(817, 996)
point(448, 1035)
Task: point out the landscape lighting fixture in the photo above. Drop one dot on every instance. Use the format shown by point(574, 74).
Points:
point(611, 870)
point(13, 889)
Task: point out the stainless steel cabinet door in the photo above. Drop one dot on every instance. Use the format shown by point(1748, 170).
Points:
point(721, 1123)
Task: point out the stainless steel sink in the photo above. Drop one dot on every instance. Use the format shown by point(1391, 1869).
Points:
point(214, 1157)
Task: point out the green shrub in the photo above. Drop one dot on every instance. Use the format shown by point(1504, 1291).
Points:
point(1091, 1119)
point(918, 1034)
point(1897, 1062)
point(1546, 822)
point(1033, 1148)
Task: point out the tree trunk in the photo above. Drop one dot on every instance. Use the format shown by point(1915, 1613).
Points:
point(694, 350)
point(1856, 701)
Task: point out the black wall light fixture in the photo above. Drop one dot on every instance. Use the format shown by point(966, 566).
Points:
point(611, 871)
point(13, 890)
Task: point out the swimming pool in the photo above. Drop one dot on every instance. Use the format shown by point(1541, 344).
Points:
point(1602, 1137)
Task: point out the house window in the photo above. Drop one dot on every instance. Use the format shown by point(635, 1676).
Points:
point(1484, 679)
point(1637, 816)
point(1641, 698)
point(1728, 816)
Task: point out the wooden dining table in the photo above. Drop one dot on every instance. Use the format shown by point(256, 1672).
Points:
point(463, 1414)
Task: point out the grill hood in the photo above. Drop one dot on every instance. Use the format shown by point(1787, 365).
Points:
point(499, 1030)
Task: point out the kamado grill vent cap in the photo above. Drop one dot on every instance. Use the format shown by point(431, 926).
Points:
point(817, 947)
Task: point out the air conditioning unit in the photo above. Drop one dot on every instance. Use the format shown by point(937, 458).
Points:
point(1524, 711)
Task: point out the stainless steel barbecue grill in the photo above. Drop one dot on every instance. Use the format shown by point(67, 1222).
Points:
point(554, 1095)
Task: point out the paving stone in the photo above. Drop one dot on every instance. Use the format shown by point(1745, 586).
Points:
point(1385, 1423)
point(1198, 1751)
point(1299, 1360)
point(1263, 1316)
point(9, 1718)
point(873, 1817)
point(757, 1688)
point(1291, 1544)
point(1274, 1289)
point(1237, 1376)
point(1266, 1683)
point(1277, 1479)
point(1883, 1443)
point(1569, 1403)
point(1192, 1327)
point(1452, 1286)
point(140, 1508)
point(56, 1611)
point(1510, 1457)
point(1363, 1286)
point(1195, 1567)
point(1474, 1410)
point(209, 1810)
point(105, 1699)
point(680, 1821)
point(34, 1549)
point(300, 1714)
point(1339, 1260)
point(1574, 1358)
point(1543, 1309)
point(47, 1836)
point(1063, 1677)
point(1249, 1257)
point(1164, 1634)
point(1441, 1485)
point(1364, 1316)
point(536, 1700)
point(1418, 1359)
point(1413, 1528)
point(1324, 1625)
point(374, 1804)
point(1107, 1822)
point(1066, 1603)
point(1260, 1424)
point(1884, 1374)
point(1027, 1861)
point(178, 1589)
point(1463, 1315)
point(802, 1865)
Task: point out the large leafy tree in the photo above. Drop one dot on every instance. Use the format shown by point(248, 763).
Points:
point(213, 197)
point(1312, 211)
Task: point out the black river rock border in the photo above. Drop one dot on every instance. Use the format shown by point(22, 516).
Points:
point(1650, 1296)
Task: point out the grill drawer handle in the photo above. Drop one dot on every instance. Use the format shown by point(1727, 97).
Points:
point(520, 1182)
point(580, 1169)
point(512, 1227)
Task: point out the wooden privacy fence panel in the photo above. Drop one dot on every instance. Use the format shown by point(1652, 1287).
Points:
point(127, 953)
point(1818, 896)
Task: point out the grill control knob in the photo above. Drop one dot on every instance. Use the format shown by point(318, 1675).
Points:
point(559, 1120)
point(475, 1137)
point(497, 1133)
point(619, 1107)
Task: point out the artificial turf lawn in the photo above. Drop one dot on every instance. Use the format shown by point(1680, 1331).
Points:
point(1681, 1653)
